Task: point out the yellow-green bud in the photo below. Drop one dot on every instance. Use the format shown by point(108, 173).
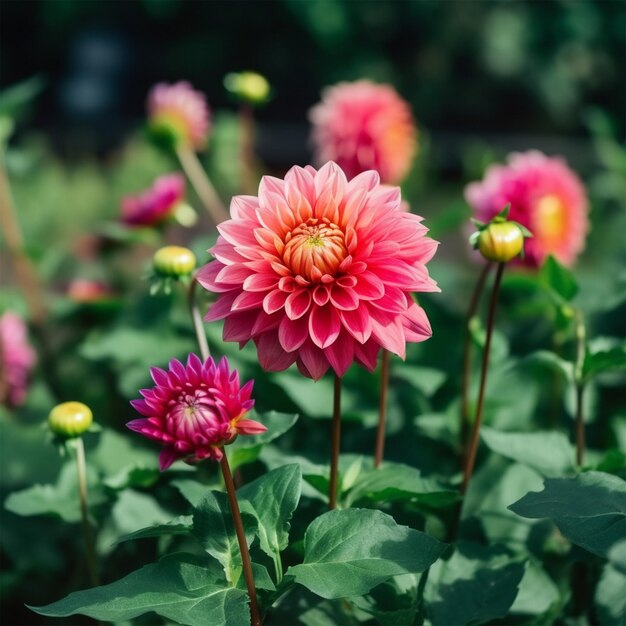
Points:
point(174, 261)
point(248, 86)
point(501, 241)
point(70, 419)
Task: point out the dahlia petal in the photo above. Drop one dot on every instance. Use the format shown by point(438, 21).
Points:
point(343, 299)
point(222, 307)
point(206, 277)
point(416, 325)
point(261, 282)
point(237, 233)
point(369, 286)
point(367, 355)
point(137, 425)
point(265, 322)
point(158, 375)
point(274, 301)
point(247, 300)
point(313, 360)
point(393, 300)
point(243, 207)
point(321, 295)
point(237, 326)
point(357, 323)
point(250, 427)
point(293, 333)
point(341, 353)
point(297, 303)
point(167, 457)
point(233, 274)
point(272, 357)
point(390, 336)
point(324, 326)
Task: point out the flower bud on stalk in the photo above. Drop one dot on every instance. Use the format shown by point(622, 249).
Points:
point(248, 87)
point(70, 419)
point(174, 261)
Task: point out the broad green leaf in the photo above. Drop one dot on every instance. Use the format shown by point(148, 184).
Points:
point(348, 552)
point(590, 510)
point(558, 279)
point(16, 98)
point(427, 379)
point(537, 592)
point(214, 528)
point(180, 525)
point(396, 481)
point(393, 603)
point(610, 599)
point(603, 361)
point(274, 497)
point(192, 490)
point(552, 361)
point(548, 452)
point(180, 587)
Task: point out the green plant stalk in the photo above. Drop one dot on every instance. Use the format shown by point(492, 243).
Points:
point(335, 439)
point(196, 318)
point(382, 409)
point(580, 389)
point(81, 468)
point(255, 616)
point(467, 359)
point(473, 447)
point(202, 184)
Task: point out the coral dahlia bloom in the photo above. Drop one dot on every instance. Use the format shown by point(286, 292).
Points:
point(16, 359)
point(364, 126)
point(156, 204)
point(182, 111)
point(545, 195)
point(194, 410)
point(319, 271)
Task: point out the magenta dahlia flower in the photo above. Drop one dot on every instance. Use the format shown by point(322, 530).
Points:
point(364, 126)
point(545, 195)
point(155, 205)
point(319, 271)
point(16, 359)
point(194, 410)
point(181, 111)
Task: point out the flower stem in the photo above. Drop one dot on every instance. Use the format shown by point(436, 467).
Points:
point(471, 455)
point(201, 183)
point(81, 468)
point(580, 389)
point(382, 409)
point(467, 359)
point(196, 318)
point(246, 124)
point(335, 438)
point(255, 617)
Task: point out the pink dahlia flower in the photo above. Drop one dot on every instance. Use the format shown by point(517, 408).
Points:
point(182, 110)
point(545, 195)
point(155, 205)
point(194, 410)
point(16, 359)
point(319, 271)
point(363, 126)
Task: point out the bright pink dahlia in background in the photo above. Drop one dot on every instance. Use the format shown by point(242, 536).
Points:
point(180, 110)
point(16, 359)
point(364, 126)
point(545, 195)
point(156, 204)
point(194, 410)
point(319, 271)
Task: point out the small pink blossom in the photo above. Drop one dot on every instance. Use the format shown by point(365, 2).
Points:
point(364, 126)
point(16, 359)
point(319, 271)
point(181, 109)
point(86, 291)
point(155, 205)
point(194, 410)
point(545, 195)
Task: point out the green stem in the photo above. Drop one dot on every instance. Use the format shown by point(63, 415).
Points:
point(471, 456)
point(382, 409)
point(255, 616)
point(335, 439)
point(202, 184)
point(278, 567)
point(580, 389)
point(467, 358)
point(81, 467)
point(196, 318)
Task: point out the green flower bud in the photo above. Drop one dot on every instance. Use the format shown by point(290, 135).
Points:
point(174, 261)
point(248, 86)
point(501, 241)
point(70, 419)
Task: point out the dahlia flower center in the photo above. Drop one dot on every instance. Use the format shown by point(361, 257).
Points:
point(550, 218)
point(192, 412)
point(314, 248)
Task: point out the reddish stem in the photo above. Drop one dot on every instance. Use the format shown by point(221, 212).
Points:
point(382, 409)
point(335, 438)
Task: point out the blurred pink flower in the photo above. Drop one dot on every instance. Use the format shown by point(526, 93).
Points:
point(319, 271)
point(85, 291)
point(545, 195)
point(16, 359)
point(194, 410)
point(156, 204)
point(364, 126)
point(181, 110)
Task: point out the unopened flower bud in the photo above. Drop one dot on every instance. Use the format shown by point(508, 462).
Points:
point(248, 86)
point(501, 241)
point(70, 419)
point(174, 261)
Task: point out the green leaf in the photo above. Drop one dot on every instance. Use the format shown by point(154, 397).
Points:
point(537, 592)
point(548, 452)
point(180, 587)
point(14, 99)
point(180, 525)
point(214, 528)
point(550, 360)
point(590, 510)
point(192, 490)
point(603, 361)
point(426, 379)
point(558, 279)
point(610, 599)
point(274, 497)
point(348, 552)
point(396, 481)
point(393, 603)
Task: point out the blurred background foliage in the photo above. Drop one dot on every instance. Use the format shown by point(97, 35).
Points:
point(483, 78)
